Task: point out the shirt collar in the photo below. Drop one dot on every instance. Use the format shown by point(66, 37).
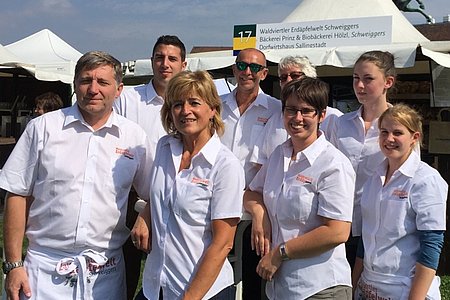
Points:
point(74, 115)
point(358, 113)
point(312, 152)
point(408, 168)
point(209, 151)
point(151, 94)
point(411, 164)
point(261, 98)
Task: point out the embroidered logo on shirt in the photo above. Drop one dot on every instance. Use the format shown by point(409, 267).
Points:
point(199, 181)
point(262, 120)
point(400, 194)
point(304, 179)
point(125, 152)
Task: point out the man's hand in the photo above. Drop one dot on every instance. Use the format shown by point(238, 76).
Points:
point(141, 232)
point(17, 280)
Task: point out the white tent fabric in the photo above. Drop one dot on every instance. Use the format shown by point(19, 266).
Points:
point(223, 86)
point(313, 10)
point(51, 57)
point(405, 38)
point(7, 57)
point(195, 61)
point(345, 57)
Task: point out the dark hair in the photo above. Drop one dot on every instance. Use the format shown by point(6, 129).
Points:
point(384, 60)
point(48, 101)
point(313, 91)
point(171, 40)
point(94, 59)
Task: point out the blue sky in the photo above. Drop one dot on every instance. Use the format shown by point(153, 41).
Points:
point(128, 29)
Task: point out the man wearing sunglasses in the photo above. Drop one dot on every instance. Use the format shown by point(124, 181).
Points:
point(289, 68)
point(247, 109)
point(245, 113)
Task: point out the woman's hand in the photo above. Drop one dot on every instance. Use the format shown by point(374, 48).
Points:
point(261, 227)
point(269, 264)
point(261, 233)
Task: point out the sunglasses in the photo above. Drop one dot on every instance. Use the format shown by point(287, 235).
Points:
point(254, 68)
point(293, 75)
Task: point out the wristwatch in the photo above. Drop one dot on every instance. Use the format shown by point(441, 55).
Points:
point(8, 266)
point(283, 253)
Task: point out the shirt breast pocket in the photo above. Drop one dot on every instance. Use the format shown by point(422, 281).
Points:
point(394, 213)
point(300, 203)
point(256, 132)
point(123, 170)
point(193, 201)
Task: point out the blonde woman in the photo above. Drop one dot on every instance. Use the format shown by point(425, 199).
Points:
point(196, 197)
point(403, 211)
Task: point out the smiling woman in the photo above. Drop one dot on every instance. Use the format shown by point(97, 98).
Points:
point(196, 191)
point(403, 205)
point(301, 201)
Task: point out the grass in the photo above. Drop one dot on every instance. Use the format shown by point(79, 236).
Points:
point(445, 287)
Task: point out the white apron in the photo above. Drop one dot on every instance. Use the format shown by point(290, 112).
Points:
point(87, 275)
point(374, 285)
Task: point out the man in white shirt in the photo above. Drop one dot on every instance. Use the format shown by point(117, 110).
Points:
point(246, 110)
point(142, 104)
point(78, 164)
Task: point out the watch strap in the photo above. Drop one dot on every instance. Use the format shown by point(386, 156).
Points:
point(8, 266)
point(283, 253)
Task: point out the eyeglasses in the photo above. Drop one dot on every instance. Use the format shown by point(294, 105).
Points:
point(305, 112)
point(293, 75)
point(254, 68)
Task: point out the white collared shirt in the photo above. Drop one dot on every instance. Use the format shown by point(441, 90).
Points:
point(142, 105)
point(414, 199)
point(319, 183)
point(79, 178)
point(183, 206)
point(242, 131)
point(363, 151)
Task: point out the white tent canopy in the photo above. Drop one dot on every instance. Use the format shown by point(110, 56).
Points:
point(196, 61)
point(7, 57)
point(405, 38)
point(309, 10)
point(50, 57)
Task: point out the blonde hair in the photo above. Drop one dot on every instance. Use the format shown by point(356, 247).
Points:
point(188, 83)
point(406, 116)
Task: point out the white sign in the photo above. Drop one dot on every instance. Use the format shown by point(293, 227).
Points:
point(326, 33)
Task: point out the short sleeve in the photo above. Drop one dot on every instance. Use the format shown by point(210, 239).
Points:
point(429, 199)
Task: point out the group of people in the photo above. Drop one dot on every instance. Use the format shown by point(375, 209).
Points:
point(308, 175)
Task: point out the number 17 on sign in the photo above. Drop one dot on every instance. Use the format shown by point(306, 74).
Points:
point(244, 37)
